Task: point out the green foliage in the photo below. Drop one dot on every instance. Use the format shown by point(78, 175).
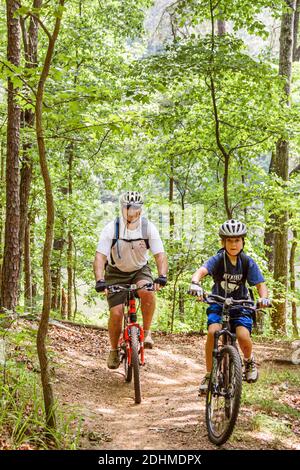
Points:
point(21, 412)
point(134, 118)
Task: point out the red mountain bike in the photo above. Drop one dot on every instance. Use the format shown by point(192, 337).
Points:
point(131, 342)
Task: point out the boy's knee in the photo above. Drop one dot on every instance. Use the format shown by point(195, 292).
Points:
point(243, 333)
point(213, 328)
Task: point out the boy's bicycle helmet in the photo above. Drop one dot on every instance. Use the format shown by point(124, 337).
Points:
point(233, 228)
point(131, 198)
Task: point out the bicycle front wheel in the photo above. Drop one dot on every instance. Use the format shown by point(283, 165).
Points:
point(127, 367)
point(224, 396)
point(135, 363)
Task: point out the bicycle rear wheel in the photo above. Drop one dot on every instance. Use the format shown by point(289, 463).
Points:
point(135, 363)
point(224, 396)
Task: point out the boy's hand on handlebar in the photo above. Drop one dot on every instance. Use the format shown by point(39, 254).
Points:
point(196, 290)
point(264, 302)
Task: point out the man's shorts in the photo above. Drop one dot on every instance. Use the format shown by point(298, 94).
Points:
point(236, 319)
point(114, 276)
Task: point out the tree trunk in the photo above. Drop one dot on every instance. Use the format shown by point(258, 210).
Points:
point(181, 298)
point(34, 290)
point(293, 283)
point(64, 305)
point(30, 44)
point(27, 267)
point(269, 236)
point(172, 299)
point(70, 155)
point(225, 155)
point(43, 326)
point(70, 275)
point(11, 264)
point(282, 170)
point(58, 246)
point(296, 48)
point(2, 207)
point(221, 27)
point(26, 176)
point(225, 188)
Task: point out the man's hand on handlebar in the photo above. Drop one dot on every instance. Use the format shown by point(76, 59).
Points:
point(160, 282)
point(101, 286)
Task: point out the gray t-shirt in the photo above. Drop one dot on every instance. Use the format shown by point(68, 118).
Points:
point(131, 256)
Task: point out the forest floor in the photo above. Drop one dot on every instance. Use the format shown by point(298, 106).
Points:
point(171, 415)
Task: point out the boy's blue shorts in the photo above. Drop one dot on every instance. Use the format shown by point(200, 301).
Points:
point(214, 316)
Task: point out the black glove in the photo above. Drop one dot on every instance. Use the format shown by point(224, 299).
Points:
point(100, 285)
point(161, 280)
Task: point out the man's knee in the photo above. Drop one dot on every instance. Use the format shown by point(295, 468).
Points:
point(116, 313)
point(146, 296)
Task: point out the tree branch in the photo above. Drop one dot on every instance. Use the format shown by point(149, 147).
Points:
point(46, 31)
point(295, 170)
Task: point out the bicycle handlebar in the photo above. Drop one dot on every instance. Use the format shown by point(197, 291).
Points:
point(114, 288)
point(217, 299)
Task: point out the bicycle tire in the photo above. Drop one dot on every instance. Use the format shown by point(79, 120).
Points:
point(229, 377)
point(135, 364)
point(127, 367)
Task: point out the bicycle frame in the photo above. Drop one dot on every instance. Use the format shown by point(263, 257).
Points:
point(130, 320)
point(228, 337)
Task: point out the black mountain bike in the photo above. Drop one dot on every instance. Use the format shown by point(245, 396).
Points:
point(131, 342)
point(225, 385)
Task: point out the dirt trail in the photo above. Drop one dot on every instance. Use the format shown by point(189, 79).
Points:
point(171, 415)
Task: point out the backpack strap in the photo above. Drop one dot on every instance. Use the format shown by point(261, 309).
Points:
point(115, 240)
point(144, 223)
point(245, 264)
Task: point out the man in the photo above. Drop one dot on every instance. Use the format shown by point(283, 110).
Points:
point(122, 258)
point(231, 268)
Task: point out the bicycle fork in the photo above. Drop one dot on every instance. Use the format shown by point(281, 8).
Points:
point(217, 352)
point(127, 333)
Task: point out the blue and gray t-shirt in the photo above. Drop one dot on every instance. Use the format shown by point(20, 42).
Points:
point(234, 275)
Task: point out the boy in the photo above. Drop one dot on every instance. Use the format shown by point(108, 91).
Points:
point(230, 269)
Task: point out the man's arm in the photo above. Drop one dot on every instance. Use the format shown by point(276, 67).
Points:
point(99, 265)
point(161, 263)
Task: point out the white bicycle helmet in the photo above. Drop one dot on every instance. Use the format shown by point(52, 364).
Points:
point(131, 198)
point(233, 228)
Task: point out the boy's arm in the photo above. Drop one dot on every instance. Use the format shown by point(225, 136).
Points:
point(263, 294)
point(199, 274)
point(195, 288)
point(262, 290)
